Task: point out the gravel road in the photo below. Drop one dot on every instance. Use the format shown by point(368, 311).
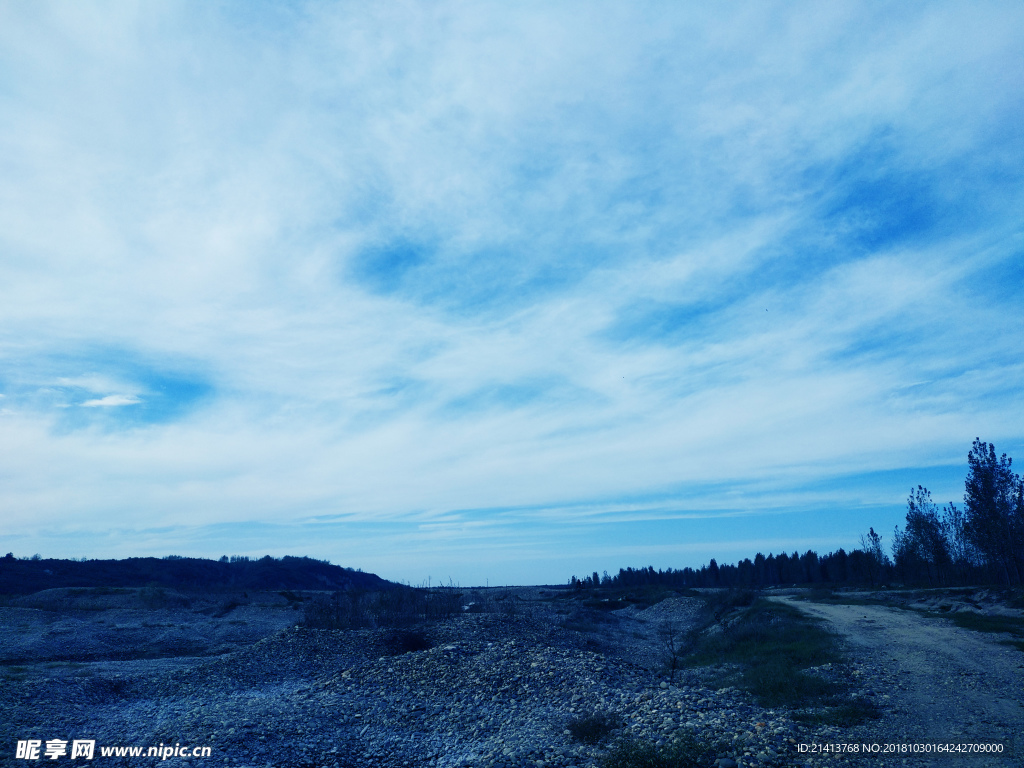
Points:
point(941, 683)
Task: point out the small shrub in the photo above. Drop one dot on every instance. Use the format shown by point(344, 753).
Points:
point(406, 641)
point(442, 602)
point(398, 607)
point(338, 611)
point(980, 622)
point(225, 608)
point(722, 602)
point(594, 728)
point(677, 642)
point(688, 752)
point(843, 715)
point(153, 596)
point(508, 603)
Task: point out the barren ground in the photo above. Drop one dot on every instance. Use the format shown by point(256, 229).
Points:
point(942, 683)
point(493, 689)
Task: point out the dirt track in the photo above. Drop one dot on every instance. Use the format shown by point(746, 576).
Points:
point(942, 684)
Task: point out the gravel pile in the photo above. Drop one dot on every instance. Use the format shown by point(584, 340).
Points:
point(485, 690)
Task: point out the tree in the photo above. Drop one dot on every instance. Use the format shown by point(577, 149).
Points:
point(994, 511)
point(875, 560)
point(965, 556)
point(809, 563)
point(674, 641)
point(924, 548)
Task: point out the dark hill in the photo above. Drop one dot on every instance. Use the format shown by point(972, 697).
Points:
point(20, 577)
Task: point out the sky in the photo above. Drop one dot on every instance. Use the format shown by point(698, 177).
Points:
point(502, 293)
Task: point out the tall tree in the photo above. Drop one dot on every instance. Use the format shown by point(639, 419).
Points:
point(994, 510)
point(924, 549)
point(876, 561)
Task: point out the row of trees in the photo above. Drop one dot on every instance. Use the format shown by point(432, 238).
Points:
point(839, 567)
point(980, 542)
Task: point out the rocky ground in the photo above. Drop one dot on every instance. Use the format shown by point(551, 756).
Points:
point(499, 687)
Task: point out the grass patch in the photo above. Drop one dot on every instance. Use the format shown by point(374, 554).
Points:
point(686, 752)
point(226, 607)
point(614, 598)
point(721, 601)
point(580, 626)
point(980, 622)
point(588, 620)
point(96, 591)
point(829, 597)
point(843, 715)
point(16, 672)
point(592, 729)
point(772, 644)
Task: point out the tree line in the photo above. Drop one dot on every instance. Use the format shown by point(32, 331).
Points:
point(24, 576)
point(981, 542)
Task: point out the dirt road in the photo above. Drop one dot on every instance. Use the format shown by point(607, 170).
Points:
point(939, 683)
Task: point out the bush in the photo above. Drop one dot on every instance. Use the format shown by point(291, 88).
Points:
point(592, 729)
point(397, 607)
point(843, 715)
point(721, 602)
point(226, 607)
point(406, 641)
point(154, 597)
point(388, 608)
point(338, 611)
point(688, 752)
point(442, 602)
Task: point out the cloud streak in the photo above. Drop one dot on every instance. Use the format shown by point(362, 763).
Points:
point(458, 281)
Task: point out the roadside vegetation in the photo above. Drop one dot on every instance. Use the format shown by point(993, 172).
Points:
point(943, 601)
point(688, 752)
point(770, 649)
point(593, 728)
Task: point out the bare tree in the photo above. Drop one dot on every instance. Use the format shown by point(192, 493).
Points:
point(674, 640)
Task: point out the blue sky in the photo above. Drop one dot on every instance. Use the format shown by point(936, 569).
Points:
point(502, 293)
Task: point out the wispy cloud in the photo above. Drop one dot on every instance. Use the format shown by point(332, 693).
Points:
point(111, 401)
point(455, 283)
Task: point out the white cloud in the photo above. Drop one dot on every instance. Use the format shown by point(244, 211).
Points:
point(111, 401)
point(611, 198)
